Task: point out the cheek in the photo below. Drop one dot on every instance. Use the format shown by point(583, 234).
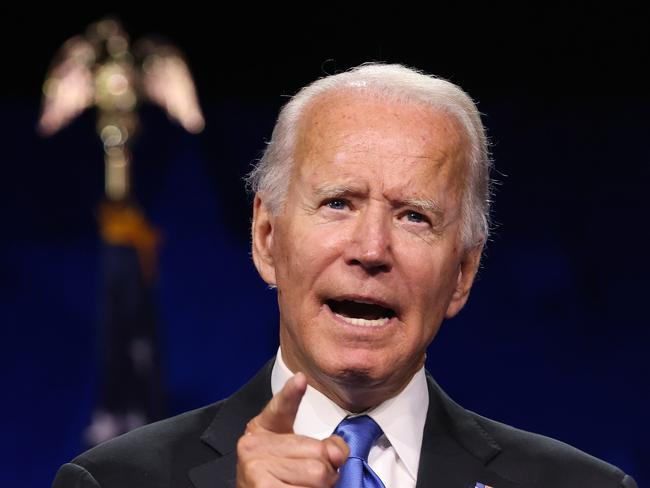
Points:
point(430, 282)
point(303, 252)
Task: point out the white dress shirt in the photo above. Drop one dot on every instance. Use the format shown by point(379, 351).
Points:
point(396, 454)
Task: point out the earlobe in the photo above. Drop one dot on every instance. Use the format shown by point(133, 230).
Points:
point(262, 240)
point(467, 270)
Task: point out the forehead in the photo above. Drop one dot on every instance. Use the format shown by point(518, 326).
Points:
point(350, 133)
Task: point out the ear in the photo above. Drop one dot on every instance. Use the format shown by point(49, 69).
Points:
point(466, 273)
point(262, 237)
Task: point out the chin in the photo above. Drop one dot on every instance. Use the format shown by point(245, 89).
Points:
point(358, 386)
point(357, 368)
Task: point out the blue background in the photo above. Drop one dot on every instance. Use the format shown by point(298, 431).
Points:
point(555, 336)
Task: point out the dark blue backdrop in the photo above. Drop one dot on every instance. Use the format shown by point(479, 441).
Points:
point(555, 336)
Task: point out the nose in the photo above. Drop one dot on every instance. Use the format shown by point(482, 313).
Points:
point(370, 246)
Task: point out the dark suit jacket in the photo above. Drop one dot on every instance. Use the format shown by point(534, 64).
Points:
point(197, 449)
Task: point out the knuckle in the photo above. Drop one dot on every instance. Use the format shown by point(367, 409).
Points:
point(319, 450)
point(246, 444)
point(256, 468)
point(317, 471)
point(253, 474)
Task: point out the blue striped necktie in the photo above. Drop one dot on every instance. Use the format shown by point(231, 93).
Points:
point(359, 433)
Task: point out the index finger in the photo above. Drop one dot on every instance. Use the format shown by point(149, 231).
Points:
point(280, 413)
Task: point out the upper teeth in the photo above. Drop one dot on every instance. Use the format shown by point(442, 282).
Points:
point(364, 322)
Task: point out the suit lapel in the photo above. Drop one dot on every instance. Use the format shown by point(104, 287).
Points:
point(226, 428)
point(456, 451)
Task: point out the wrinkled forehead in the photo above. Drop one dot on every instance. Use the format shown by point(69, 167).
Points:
point(351, 120)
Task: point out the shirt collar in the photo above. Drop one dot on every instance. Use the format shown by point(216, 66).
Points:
point(401, 417)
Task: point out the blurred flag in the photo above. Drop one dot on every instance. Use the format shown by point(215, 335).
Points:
point(132, 391)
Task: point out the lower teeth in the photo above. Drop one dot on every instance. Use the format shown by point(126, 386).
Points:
point(364, 322)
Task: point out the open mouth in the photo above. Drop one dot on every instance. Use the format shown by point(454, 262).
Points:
point(360, 313)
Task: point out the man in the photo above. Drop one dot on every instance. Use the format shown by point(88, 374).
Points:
point(370, 215)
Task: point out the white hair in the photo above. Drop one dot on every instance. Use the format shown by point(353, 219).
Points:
point(393, 82)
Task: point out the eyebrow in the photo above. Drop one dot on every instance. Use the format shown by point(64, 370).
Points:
point(424, 204)
point(336, 190)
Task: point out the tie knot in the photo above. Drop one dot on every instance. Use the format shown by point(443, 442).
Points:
point(359, 433)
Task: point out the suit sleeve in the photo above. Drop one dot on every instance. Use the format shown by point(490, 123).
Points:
point(628, 482)
point(74, 476)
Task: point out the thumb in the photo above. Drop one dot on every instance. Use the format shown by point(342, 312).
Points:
point(280, 413)
point(337, 450)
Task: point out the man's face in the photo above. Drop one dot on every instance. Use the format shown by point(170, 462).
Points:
point(367, 255)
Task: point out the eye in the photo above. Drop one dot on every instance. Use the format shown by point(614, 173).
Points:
point(415, 217)
point(336, 204)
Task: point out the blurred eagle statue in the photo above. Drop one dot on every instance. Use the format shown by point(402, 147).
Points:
point(100, 70)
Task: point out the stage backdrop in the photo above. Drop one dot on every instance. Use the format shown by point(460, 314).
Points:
point(554, 338)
